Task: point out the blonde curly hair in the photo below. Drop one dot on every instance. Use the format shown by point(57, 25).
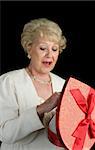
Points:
point(42, 27)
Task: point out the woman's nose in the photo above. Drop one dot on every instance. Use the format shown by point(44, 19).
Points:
point(48, 53)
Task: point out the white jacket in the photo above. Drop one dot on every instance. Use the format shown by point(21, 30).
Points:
point(19, 122)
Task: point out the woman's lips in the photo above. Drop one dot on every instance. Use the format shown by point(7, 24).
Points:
point(47, 63)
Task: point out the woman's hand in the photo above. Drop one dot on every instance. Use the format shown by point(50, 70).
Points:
point(48, 105)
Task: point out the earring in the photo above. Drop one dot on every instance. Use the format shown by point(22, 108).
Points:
point(29, 56)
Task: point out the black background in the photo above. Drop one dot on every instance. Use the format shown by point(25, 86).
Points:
point(76, 18)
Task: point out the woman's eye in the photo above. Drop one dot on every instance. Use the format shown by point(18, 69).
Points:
point(54, 49)
point(42, 48)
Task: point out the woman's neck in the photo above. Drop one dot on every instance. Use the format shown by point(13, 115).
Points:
point(44, 77)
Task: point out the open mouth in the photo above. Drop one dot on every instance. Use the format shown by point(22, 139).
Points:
point(47, 63)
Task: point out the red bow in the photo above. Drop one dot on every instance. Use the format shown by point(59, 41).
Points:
point(87, 123)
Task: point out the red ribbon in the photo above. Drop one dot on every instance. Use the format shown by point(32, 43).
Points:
point(54, 138)
point(86, 124)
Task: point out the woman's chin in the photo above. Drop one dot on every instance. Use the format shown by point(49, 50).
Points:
point(47, 70)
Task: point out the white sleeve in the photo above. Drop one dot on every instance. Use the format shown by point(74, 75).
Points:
point(13, 126)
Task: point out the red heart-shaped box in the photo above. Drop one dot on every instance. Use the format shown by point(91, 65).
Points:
point(75, 116)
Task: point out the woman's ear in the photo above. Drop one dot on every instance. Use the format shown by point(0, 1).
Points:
point(28, 51)
point(29, 56)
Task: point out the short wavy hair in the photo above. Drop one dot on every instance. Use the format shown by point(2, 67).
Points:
point(42, 27)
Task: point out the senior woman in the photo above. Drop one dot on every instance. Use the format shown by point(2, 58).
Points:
point(29, 96)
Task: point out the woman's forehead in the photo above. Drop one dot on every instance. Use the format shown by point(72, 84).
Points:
point(46, 41)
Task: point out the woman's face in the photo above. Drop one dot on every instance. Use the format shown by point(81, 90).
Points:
point(44, 55)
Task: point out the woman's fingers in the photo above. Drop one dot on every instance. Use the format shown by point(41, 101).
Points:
point(49, 104)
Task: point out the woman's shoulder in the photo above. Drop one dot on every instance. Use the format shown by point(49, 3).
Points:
point(57, 77)
point(12, 74)
point(57, 82)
